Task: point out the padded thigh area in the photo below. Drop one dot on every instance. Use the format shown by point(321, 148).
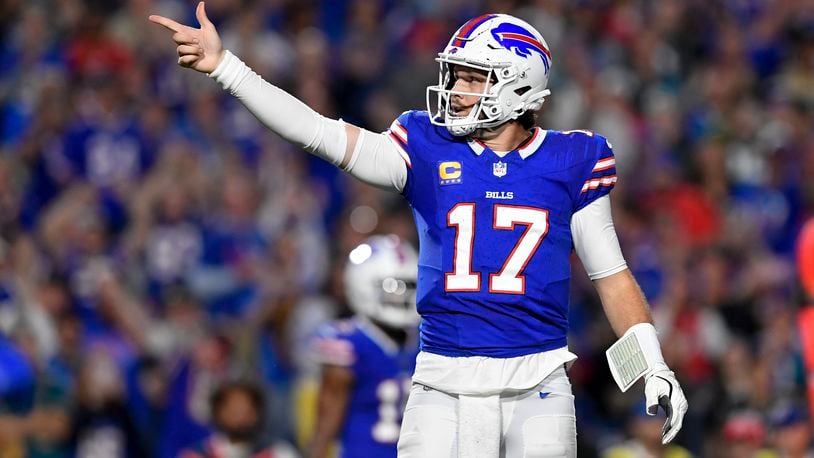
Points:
point(430, 425)
point(540, 422)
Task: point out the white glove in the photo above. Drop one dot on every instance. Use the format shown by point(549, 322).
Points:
point(637, 354)
point(662, 389)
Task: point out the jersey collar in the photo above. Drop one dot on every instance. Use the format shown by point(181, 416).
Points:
point(529, 147)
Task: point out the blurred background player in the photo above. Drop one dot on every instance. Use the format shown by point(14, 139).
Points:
point(367, 360)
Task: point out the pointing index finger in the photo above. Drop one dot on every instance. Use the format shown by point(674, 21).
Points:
point(167, 22)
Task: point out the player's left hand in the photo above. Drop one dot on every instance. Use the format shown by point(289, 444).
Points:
point(662, 389)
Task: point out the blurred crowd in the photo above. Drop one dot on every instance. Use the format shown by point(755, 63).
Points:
point(157, 244)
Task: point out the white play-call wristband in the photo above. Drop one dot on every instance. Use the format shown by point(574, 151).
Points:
point(634, 355)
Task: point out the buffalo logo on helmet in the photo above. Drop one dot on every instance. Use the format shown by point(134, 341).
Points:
point(521, 42)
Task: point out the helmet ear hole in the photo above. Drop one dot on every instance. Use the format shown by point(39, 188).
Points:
point(522, 90)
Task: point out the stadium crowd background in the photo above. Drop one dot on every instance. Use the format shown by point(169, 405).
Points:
point(156, 240)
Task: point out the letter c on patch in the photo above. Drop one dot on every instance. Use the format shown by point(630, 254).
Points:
point(449, 170)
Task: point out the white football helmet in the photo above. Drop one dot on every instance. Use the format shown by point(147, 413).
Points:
point(380, 281)
point(517, 61)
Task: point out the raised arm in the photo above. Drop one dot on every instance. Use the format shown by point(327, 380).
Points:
point(367, 156)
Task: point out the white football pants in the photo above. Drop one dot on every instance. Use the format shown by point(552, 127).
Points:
point(535, 423)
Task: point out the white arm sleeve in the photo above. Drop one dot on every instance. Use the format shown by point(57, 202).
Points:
point(374, 160)
point(595, 239)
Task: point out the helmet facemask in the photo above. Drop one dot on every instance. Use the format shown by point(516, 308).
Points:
point(485, 113)
point(396, 302)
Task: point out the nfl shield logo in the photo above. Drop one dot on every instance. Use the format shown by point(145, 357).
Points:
point(499, 169)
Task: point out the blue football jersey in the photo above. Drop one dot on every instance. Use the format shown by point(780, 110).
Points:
point(381, 383)
point(495, 234)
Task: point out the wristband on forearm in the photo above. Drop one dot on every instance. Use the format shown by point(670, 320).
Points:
point(636, 354)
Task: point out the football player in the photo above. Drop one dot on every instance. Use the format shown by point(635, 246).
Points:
point(367, 361)
point(499, 204)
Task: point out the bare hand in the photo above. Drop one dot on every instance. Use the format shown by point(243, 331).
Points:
point(198, 49)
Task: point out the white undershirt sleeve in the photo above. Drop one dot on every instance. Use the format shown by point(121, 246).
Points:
point(595, 239)
point(374, 159)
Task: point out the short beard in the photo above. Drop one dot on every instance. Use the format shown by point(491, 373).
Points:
point(488, 133)
point(528, 120)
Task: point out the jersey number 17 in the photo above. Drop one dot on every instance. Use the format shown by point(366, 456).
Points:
point(509, 280)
